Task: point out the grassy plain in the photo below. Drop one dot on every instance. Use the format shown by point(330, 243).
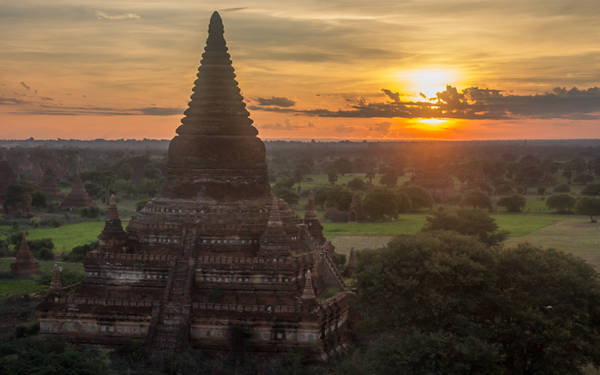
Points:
point(11, 286)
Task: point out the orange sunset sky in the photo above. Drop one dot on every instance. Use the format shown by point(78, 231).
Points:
point(337, 69)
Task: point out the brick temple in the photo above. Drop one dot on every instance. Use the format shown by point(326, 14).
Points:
point(216, 261)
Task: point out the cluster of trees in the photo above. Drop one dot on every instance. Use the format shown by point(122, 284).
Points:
point(374, 203)
point(440, 302)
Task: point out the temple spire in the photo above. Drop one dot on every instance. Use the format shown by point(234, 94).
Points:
point(216, 153)
point(55, 283)
point(25, 262)
point(113, 236)
point(217, 107)
point(274, 240)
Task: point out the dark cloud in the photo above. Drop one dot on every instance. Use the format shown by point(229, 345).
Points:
point(394, 96)
point(160, 111)
point(287, 125)
point(46, 98)
point(276, 101)
point(11, 101)
point(232, 9)
point(27, 87)
point(57, 110)
point(472, 103)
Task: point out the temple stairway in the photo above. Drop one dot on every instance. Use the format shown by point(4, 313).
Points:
point(169, 327)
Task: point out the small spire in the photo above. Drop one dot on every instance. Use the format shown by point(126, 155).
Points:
point(55, 282)
point(310, 213)
point(112, 212)
point(309, 292)
point(274, 215)
point(24, 252)
point(274, 240)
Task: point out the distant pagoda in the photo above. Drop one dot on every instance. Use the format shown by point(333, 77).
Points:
point(215, 254)
point(25, 264)
point(49, 185)
point(78, 197)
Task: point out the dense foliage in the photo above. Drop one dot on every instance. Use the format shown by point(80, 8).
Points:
point(457, 306)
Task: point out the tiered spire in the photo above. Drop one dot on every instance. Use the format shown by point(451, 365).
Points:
point(49, 185)
point(55, 283)
point(113, 234)
point(217, 106)
point(274, 241)
point(309, 292)
point(217, 154)
point(312, 221)
point(25, 263)
point(78, 197)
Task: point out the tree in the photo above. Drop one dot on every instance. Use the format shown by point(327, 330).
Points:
point(591, 190)
point(503, 189)
point(38, 200)
point(342, 166)
point(338, 197)
point(283, 189)
point(416, 352)
point(18, 199)
point(475, 223)
point(589, 207)
point(563, 188)
point(419, 197)
point(379, 203)
point(332, 176)
point(563, 203)
point(370, 175)
point(389, 179)
point(583, 178)
point(35, 355)
point(476, 199)
point(534, 311)
point(513, 203)
point(357, 183)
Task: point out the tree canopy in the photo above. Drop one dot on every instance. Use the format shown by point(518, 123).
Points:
point(441, 296)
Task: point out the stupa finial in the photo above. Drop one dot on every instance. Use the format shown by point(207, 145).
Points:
point(216, 24)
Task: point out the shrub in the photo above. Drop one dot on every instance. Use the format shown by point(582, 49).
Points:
point(564, 188)
point(591, 190)
point(504, 189)
point(91, 212)
point(336, 215)
point(513, 203)
point(563, 203)
point(79, 252)
point(357, 183)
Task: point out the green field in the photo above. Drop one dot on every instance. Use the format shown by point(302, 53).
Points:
point(66, 237)
point(29, 284)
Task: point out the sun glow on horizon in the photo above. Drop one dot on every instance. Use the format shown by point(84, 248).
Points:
point(427, 82)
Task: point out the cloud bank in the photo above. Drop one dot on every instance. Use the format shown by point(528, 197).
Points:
point(470, 103)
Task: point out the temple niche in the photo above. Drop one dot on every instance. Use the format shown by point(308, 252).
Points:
point(214, 254)
point(78, 197)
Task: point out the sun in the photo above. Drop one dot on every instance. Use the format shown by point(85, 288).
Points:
point(427, 82)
